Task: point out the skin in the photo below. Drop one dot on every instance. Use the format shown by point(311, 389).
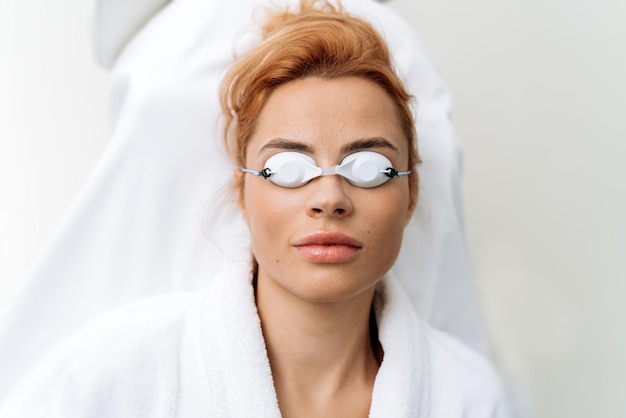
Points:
point(315, 310)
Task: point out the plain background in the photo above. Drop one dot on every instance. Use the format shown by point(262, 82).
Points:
point(539, 93)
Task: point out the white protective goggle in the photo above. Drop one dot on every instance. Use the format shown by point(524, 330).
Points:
point(365, 169)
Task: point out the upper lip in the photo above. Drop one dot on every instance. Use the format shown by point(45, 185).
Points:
point(328, 238)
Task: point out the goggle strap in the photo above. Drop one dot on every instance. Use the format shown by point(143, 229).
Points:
point(265, 173)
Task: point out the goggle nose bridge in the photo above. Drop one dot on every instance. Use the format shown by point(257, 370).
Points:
point(328, 171)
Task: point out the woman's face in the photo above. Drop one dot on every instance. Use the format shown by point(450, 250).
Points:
point(327, 240)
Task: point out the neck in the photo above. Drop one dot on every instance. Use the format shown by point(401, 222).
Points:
point(317, 350)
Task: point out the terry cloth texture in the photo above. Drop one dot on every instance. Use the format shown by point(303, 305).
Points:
point(203, 354)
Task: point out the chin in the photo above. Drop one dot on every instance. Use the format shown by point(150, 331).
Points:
point(330, 287)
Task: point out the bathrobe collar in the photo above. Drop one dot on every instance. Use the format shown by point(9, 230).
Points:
point(401, 385)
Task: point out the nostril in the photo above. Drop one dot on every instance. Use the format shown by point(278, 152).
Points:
point(317, 210)
point(340, 211)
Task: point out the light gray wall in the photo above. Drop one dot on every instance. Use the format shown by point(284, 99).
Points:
point(52, 124)
point(539, 93)
point(540, 96)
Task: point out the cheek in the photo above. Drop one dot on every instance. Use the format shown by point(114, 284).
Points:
point(387, 206)
point(268, 213)
point(258, 207)
point(390, 219)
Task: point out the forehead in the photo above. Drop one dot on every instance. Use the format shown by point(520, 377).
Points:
point(328, 114)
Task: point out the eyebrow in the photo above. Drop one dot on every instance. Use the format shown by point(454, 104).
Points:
point(368, 143)
point(358, 145)
point(287, 144)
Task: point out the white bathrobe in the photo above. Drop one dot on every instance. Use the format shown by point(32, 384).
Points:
point(203, 354)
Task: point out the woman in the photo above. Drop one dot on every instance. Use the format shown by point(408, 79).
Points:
point(313, 325)
point(135, 230)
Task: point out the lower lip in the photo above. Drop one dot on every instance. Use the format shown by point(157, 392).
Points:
point(327, 253)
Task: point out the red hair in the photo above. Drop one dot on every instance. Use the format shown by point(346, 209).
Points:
point(318, 40)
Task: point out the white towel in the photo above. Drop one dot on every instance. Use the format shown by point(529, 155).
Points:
point(203, 355)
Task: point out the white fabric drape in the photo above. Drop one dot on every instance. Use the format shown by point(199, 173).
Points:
point(144, 222)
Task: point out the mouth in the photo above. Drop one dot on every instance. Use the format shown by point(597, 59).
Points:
point(328, 247)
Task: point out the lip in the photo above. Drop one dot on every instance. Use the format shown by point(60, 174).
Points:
point(328, 247)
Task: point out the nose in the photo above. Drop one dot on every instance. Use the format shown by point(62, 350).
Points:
point(328, 197)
